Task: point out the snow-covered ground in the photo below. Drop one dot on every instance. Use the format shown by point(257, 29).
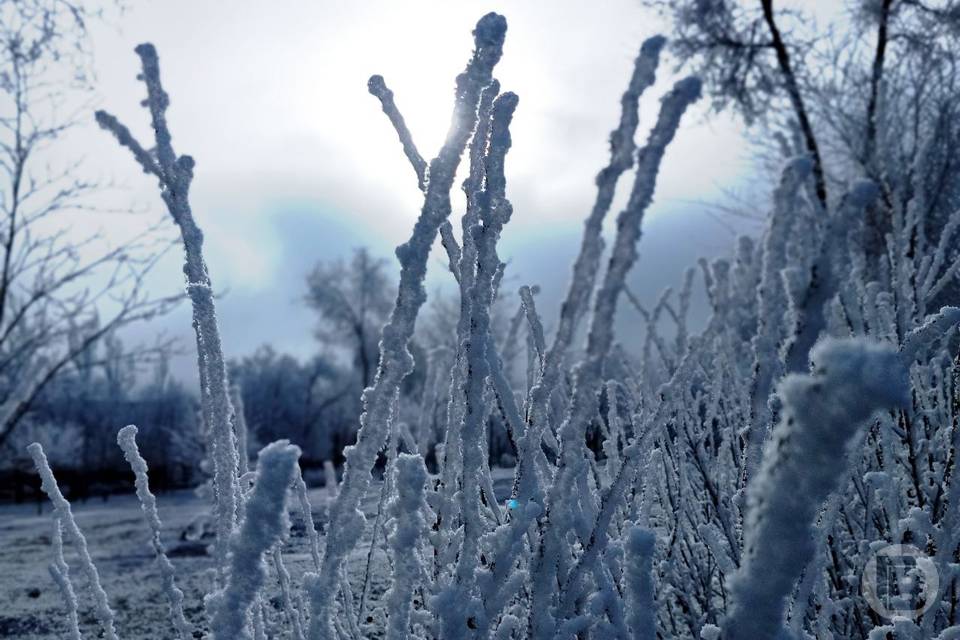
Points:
point(31, 607)
point(118, 540)
point(119, 543)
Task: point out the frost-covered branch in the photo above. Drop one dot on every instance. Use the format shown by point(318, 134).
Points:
point(264, 526)
point(175, 174)
point(127, 439)
point(64, 516)
point(451, 468)
point(641, 604)
point(241, 430)
point(495, 211)
point(564, 501)
point(824, 279)
point(408, 509)
point(622, 149)
point(533, 321)
point(935, 328)
point(395, 360)
point(306, 514)
point(803, 463)
point(60, 573)
point(293, 614)
point(771, 302)
point(583, 279)
point(378, 87)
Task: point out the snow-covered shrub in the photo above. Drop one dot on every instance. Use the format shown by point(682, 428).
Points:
point(677, 525)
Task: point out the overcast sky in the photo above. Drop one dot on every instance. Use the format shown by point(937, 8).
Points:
point(296, 163)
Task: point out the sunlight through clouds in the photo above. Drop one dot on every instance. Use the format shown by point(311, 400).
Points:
point(271, 100)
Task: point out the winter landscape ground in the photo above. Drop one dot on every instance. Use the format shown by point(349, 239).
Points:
point(785, 468)
point(33, 608)
point(119, 543)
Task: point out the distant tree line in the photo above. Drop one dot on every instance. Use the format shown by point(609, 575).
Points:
point(313, 402)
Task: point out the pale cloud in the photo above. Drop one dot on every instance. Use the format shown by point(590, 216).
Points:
point(270, 98)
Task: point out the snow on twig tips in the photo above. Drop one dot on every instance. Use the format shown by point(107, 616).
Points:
point(803, 462)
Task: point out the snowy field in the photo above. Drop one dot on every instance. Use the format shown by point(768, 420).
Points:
point(118, 541)
point(119, 544)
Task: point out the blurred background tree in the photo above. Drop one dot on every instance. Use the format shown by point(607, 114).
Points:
point(61, 291)
point(353, 301)
point(870, 93)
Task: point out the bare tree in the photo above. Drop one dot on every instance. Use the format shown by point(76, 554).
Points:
point(865, 94)
point(54, 279)
point(746, 60)
point(353, 301)
point(310, 403)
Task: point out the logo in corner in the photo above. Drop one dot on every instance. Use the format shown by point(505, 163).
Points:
point(899, 580)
